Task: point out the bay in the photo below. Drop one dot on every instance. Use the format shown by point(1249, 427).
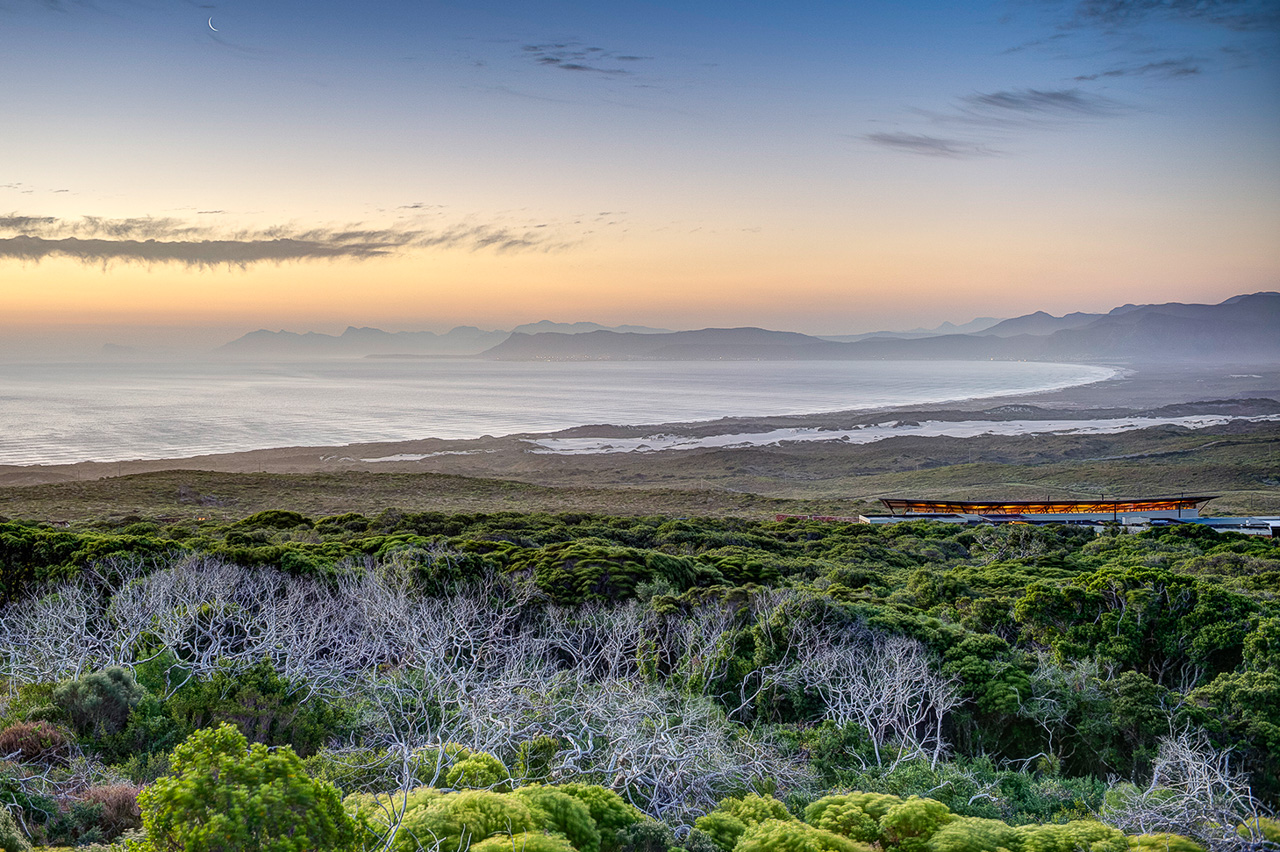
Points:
point(62, 413)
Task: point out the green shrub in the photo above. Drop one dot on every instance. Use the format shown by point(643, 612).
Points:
point(724, 829)
point(480, 771)
point(610, 812)
point(262, 705)
point(226, 796)
point(908, 826)
point(373, 812)
point(974, 834)
point(1265, 827)
point(843, 814)
point(1071, 837)
point(456, 820)
point(99, 704)
point(754, 809)
point(579, 571)
point(555, 810)
point(776, 835)
point(144, 768)
point(534, 757)
point(525, 841)
point(11, 837)
point(734, 815)
point(698, 841)
point(354, 770)
point(646, 835)
point(876, 805)
point(151, 732)
point(275, 519)
point(1163, 842)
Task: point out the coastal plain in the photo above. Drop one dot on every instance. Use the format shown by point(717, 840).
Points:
point(1236, 458)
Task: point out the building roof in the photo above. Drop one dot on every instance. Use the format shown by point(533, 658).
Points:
point(1044, 507)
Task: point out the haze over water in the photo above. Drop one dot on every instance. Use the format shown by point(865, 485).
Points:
point(61, 413)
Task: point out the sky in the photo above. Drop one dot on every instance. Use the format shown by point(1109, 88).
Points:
point(189, 171)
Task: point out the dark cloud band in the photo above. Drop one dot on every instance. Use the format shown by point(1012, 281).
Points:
point(189, 252)
point(574, 56)
point(146, 240)
point(930, 146)
point(1168, 68)
point(1240, 15)
point(1038, 102)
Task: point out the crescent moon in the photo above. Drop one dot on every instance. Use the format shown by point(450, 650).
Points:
point(212, 27)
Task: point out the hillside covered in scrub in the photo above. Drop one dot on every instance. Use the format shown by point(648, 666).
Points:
point(607, 684)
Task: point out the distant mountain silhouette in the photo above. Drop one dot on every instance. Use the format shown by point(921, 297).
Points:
point(1245, 328)
point(708, 343)
point(359, 342)
point(583, 328)
point(971, 327)
point(1040, 323)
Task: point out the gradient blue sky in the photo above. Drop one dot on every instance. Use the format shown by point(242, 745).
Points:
point(817, 166)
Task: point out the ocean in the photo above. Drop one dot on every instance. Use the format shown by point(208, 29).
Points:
point(72, 412)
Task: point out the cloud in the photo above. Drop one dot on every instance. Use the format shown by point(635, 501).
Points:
point(1140, 29)
point(14, 222)
point(996, 116)
point(575, 56)
point(1035, 104)
point(930, 146)
point(1239, 15)
point(94, 239)
point(204, 253)
point(1169, 68)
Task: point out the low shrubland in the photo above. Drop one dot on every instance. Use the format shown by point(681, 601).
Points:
point(603, 684)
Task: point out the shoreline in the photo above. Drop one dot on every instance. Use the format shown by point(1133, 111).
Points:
point(1128, 392)
point(468, 419)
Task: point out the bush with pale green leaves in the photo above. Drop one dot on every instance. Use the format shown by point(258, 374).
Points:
point(848, 815)
point(525, 841)
point(909, 825)
point(1163, 842)
point(225, 796)
point(478, 770)
point(791, 835)
point(610, 811)
point(562, 813)
point(723, 828)
point(734, 815)
point(456, 820)
point(1080, 834)
point(974, 834)
point(1266, 828)
point(537, 818)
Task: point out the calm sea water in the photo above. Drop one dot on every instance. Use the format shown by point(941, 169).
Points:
point(57, 413)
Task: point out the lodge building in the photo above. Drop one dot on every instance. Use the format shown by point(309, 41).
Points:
point(1135, 513)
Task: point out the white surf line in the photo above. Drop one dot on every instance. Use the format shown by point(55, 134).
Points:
point(875, 432)
point(403, 457)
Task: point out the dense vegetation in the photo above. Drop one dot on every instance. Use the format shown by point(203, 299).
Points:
point(604, 684)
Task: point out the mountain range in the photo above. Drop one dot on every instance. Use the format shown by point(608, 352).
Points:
point(1242, 328)
point(374, 342)
point(361, 342)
